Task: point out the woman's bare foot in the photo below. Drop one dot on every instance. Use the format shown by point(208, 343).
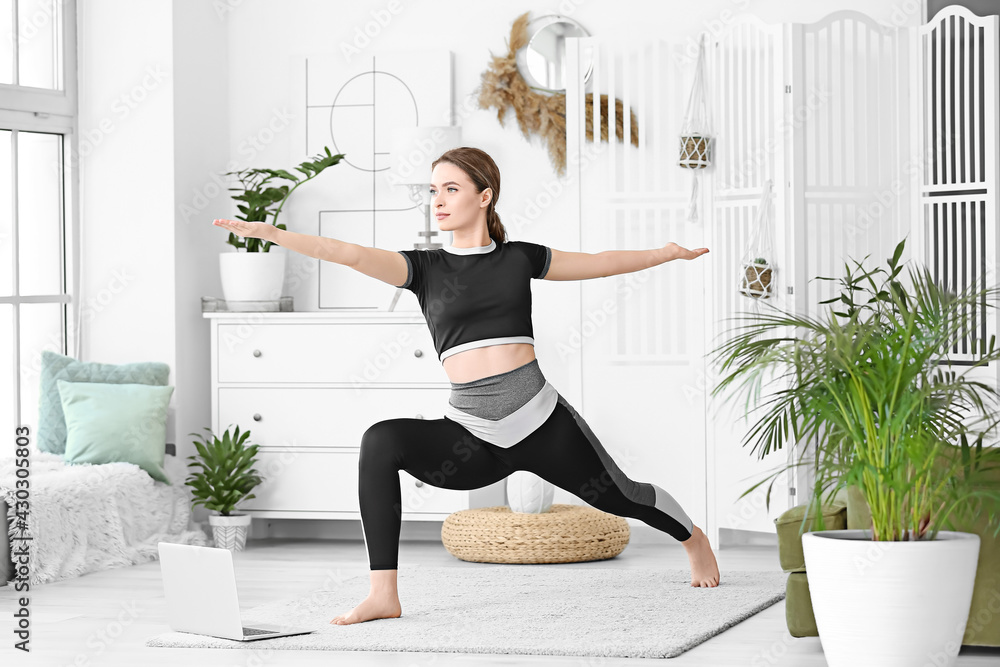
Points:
point(704, 569)
point(371, 607)
point(382, 601)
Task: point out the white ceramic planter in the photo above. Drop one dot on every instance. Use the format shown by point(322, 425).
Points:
point(230, 532)
point(252, 276)
point(890, 604)
point(528, 493)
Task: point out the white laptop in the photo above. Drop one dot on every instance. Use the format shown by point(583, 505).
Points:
point(200, 586)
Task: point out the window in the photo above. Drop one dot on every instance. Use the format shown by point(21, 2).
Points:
point(38, 186)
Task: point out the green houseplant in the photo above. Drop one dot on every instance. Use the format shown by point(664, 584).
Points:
point(252, 273)
point(262, 195)
point(872, 385)
point(227, 478)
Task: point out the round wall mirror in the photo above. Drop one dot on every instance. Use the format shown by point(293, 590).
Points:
point(542, 62)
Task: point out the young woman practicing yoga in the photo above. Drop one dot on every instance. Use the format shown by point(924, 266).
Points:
point(502, 413)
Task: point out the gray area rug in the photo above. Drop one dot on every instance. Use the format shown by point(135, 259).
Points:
point(518, 609)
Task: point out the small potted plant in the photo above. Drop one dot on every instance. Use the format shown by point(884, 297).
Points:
point(255, 274)
point(871, 395)
point(226, 479)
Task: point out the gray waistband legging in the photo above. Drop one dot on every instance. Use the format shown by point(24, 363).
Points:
point(443, 453)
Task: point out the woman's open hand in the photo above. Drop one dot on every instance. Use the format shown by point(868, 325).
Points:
point(247, 230)
point(675, 251)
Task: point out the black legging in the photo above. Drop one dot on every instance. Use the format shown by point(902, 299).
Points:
point(442, 453)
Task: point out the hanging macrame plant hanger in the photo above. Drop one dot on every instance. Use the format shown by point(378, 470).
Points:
point(696, 134)
point(757, 266)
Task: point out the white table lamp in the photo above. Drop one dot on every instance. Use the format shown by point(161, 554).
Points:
point(412, 151)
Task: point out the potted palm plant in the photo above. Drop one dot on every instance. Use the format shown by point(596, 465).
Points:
point(872, 387)
point(256, 274)
point(226, 479)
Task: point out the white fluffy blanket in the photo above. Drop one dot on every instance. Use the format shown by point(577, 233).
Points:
point(86, 518)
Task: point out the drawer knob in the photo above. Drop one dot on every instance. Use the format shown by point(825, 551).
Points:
point(420, 416)
point(256, 417)
point(419, 483)
point(418, 353)
point(256, 353)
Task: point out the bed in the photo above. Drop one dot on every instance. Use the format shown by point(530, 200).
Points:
point(89, 518)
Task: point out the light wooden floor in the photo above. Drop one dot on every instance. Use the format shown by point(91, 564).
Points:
point(105, 618)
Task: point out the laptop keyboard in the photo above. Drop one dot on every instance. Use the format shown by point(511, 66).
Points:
point(247, 632)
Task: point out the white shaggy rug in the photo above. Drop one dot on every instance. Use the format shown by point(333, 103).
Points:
point(518, 609)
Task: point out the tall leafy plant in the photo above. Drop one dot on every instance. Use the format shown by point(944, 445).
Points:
point(872, 385)
point(263, 195)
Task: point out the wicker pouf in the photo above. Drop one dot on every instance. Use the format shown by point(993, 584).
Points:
point(564, 534)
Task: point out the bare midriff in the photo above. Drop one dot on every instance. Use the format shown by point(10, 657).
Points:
point(480, 362)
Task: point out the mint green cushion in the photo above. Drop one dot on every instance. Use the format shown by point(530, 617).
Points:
point(55, 366)
point(108, 422)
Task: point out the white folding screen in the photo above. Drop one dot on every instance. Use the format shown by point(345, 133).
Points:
point(745, 82)
point(642, 338)
point(633, 193)
point(849, 188)
point(959, 170)
point(745, 71)
point(869, 133)
point(849, 192)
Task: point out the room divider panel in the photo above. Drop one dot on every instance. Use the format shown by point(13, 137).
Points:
point(869, 132)
point(958, 173)
point(746, 72)
point(642, 337)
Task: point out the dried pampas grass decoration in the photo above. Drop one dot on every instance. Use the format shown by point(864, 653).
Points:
point(504, 88)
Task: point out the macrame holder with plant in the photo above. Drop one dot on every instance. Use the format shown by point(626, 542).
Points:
point(696, 134)
point(756, 266)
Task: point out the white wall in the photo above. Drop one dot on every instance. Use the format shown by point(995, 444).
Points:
point(201, 156)
point(126, 162)
point(153, 129)
point(150, 188)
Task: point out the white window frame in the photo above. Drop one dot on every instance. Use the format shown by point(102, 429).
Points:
point(32, 109)
point(40, 100)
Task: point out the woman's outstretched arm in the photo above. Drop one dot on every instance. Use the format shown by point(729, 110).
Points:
point(385, 265)
point(584, 265)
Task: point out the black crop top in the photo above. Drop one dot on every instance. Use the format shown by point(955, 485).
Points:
point(474, 297)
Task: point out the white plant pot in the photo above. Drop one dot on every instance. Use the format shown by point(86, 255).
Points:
point(230, 532)
point(252, 276)
point(890, 604)
point(528, 493)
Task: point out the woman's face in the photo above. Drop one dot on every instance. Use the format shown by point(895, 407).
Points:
point(455, 204)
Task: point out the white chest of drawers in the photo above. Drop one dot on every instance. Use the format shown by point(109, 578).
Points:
point(307, 385)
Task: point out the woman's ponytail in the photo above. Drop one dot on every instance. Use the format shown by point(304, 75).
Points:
point(494, 226)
